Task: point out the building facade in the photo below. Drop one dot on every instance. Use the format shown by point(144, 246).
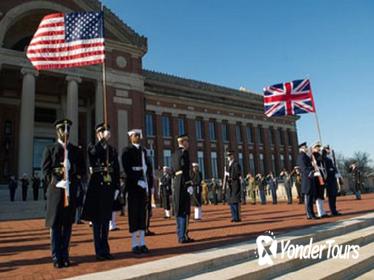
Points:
point(216, 118)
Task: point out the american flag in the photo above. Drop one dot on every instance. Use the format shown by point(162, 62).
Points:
point(291, 98)
point(68, 40)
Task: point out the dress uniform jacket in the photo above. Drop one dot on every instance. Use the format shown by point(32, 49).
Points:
point(320, 188)
point(181, 182)
point(234, 185)
point(52, 163)
point(196, 178)
point(306, 171)
point(103, 160)
point(331, 183)
point(137, 196)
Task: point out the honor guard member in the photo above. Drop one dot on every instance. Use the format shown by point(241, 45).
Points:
point(234, 188)
point(150, 181)
point(103, 189)
point(61, 171)
point(319, 178)
point(182, 186)
point(357, 179)
point(307, 180)
point(165, 190)
point(136, 168)
point(331, 180)
point(196, 178)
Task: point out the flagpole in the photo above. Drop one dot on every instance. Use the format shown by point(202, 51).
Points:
point(104, 77)
point(316, 119)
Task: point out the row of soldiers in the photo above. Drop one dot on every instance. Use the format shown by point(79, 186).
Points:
point(63, 168)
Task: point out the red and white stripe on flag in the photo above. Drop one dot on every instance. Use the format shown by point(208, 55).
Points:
point(56, 45)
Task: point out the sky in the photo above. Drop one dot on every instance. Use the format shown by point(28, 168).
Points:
point(258, 43)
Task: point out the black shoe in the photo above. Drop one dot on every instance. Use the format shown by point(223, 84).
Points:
point(189, 240)
point(100, 258)
point(337, 214)
point(238, 221)
point(144, 249)
point(66, 263)
point(109, 257)
point(325, 216)
point(57, 264)
point(232, 220)
point(136, 250)
point(149, 233)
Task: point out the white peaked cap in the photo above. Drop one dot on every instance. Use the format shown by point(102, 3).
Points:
point(135, 131)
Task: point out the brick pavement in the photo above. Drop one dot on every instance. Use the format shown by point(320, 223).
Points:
point(24, 245)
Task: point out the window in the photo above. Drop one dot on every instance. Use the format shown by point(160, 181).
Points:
point(238, 134)
point(152, 157)
point(273, 164)
point(249, 134)
point(252, 167)
point(167, 158)
point(39, 145)
point(282, 162)
point(281, 136)
point(213, 158)
point(260, 135)
point(241, 162)
point(149, 124)
point(225, 133)
point(271, 136)
point(199, 129)
point(45, 115)
point(262, 164)
point(181, 126)
point(212, 131)
point(200, 161)
point(165, 126)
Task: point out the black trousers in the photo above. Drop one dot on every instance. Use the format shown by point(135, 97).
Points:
point(12, 192)
point(24, 193)
point(101, 234)
point(309, 205)
point(35, 192)
point(60, 240)
point(332, 203)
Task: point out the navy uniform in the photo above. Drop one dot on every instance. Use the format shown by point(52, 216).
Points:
point(165, 191)
point(35, 186)
point(307, 180)
point(61, 196)
point(320, 172)
point(103, 187)
point(331, 180)
point(196, 178)
point(234, 187)
point(182, 187)
point(138, 187)
point(12, 187)
point(150, 181)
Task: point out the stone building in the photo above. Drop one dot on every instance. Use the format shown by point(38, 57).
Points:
point(215, 117)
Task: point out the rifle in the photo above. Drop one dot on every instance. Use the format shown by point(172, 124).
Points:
point(338, 175)
point(317, 171)
point(66, 175)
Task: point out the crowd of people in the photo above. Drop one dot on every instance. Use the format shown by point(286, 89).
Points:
point(73, 196)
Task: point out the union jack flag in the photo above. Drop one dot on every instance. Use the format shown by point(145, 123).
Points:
point(68, 40)
point(291, 98)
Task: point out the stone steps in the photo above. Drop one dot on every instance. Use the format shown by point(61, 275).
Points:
point(239, 261)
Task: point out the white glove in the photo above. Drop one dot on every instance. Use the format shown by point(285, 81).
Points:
point(116, 193)
point(227, 173)
point(142, 184)
point(317, 174)
point(63, 184)
point(106, 135)
point(190, 190)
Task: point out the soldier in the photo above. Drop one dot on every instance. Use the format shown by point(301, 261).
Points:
point(331, 181)
point(307, 180)
point(12, 187)
point(273, 186)
point(25, 185)
point(182, 186)
point(35, 186)
point(319, 178)
point(252, 188)
point(138, 187)
point(165, 189)
point(234, 189)
point(287, 184)
point(102, 190)
point(196, 178)
point(357, 180)
point(60, 170)
point(297, 179)
point(150, 178)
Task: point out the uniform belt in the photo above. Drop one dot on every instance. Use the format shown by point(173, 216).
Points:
point(180, 172)
point(58, 169)
point(100, 169)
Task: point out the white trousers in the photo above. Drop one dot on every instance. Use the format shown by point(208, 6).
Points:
point(197, 213)
point(113, 221)
point(167, 213)
point(320, 210)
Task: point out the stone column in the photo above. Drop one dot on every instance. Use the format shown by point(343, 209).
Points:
point(99, 106)
point(26, 132)
point(72, 106)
